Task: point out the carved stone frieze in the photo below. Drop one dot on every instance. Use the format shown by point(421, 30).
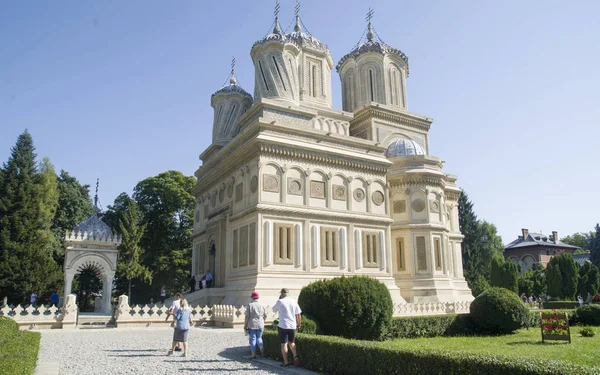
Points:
point(339, 192)
point(295, 186)
point(378, 198)
point(271, 183)
point(400, 206)
point(359, 195)
point(317, 189)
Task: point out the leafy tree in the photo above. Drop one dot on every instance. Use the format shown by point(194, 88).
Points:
point(28, 200)
point(581, 240)
point(115, 212)
point(74, 206)
point(496, 271)
point(595, 247)
point(489, 244)
point(130, 252)
point(539, 282)
point(569, 275)
point(87, 285)
point(525, 285)
point(504, 274)
point(166, 205)
point(554, 279)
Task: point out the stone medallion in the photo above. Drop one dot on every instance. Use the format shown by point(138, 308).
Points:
point(271, 183)
point(339, 192)
point(254, 184)
point(377, 198)
point(418, 205)
point(294, 186)
point(359, 195)
point(400, 206)
point(317, 189)
point(434, 206)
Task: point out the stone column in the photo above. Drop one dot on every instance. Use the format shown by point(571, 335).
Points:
point(107, 293)
point(68, 283)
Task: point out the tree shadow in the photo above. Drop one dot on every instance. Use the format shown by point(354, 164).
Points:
point(134, 350)
point(535, 343)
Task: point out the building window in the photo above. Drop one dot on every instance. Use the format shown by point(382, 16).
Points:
point(284, 244)
point(370, 249)
point(201, 253)
point(243, 246)
point(330, 247)
point(400, 249)
point(252, 244)
point(372, 89)
point(236, 248)
point(421, 254)
point(314, 81)
point(279, 73)
point(263, 76)
point(437, 248)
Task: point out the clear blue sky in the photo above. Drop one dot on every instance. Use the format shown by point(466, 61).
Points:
point(120, 90)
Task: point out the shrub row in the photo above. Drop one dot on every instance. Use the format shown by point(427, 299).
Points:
point(336, 355)
point(431, 326)
point(561, 304)
point(18, 349)
point(588, 315)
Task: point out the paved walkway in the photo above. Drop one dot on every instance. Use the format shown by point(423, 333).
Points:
point(143, 351)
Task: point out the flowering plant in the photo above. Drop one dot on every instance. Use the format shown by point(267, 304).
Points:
point(555, 324)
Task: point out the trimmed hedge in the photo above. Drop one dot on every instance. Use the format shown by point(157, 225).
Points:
point(18, 349)
point(561, 305)
point(431, 326)
point(336, 355)
point(498, 311)
point(588, 315)
point(355, 307)
point(309, 326)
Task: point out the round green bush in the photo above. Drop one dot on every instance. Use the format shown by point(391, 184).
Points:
point(498, 311)
point(588, 315)
point(587, 332)
point(353, 307)
point(309, 326)
point(8, 328)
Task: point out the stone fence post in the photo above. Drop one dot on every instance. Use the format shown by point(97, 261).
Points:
point(69, 313)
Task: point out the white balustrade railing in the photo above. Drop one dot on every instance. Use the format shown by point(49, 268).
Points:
point(433, 308)
point(43, 317)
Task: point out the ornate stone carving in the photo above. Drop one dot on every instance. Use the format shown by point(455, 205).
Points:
point(317, 189)
point(359, 194)
point(213, 199)
point(339, 192)
point(400, 206)
point(221, 195)
point(377, 197)
point(230, 190)
point(271, 183)
point(295, 186)
point(253, 184)
point(418, 205)
point(434, 206)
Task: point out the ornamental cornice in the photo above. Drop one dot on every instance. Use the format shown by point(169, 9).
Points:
point(322, 159)
point(419, 180)
point(422, 226)
point(452, 195)
point(314, 213)
point(389, 117)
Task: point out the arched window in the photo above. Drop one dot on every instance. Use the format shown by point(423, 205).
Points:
point(371, 85)
point(262, 73)
point(279, 73)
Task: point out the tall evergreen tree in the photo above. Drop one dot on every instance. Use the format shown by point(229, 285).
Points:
point(569, 276)
point(469, 227)
point(28, 200)
point(115, 212)
point(589, 280)
point(595, 247)
point(553, 279)
point(130, 252)
point(510, 279)
point(496, 271)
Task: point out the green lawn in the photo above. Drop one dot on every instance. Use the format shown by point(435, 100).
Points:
point(524, 343)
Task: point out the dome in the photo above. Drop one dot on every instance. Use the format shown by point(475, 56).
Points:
point(232, 87)
point(404, 147)
point(305, 39)
point(372, 45)
point(94, 226)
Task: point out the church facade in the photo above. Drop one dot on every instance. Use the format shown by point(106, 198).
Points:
point(292, 190)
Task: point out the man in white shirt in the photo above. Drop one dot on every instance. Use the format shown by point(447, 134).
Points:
point(33, 299)
point(209, 279)
point(289, 320)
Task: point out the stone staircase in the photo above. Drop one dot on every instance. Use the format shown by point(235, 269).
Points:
point(94, 321)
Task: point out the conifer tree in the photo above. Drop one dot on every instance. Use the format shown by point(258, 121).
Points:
point(595, 247)
point(569, 276)
point(469, 228)
point(553, 279)
point(28, 199)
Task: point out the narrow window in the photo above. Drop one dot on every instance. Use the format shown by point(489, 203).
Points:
point(314, 81)
point(228, 124)
point(371, 85)
point(371, 246)
point(263, 75)
point(243, 245)
point(252, 244)
point(396, 88)
point(235, 248)
point(421, 254)
point(279, 73)
point(392, 92)
point(401, 261)
point(438, 254)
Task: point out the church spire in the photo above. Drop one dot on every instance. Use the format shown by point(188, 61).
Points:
point(232, 79)
point(297, 27)
point(277, 28)
point(96, 209)
point(369, 17)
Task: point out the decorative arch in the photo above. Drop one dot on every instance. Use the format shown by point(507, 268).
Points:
point(94, 260)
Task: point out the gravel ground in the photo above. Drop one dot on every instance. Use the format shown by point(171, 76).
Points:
point(143, 351)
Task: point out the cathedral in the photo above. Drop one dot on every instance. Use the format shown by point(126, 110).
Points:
point(292, 190)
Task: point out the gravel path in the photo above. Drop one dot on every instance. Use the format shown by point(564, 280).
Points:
point(143, 351)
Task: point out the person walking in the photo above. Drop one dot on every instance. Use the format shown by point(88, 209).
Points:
point(254, 324)
point(289, 320)
point(163, 294)
point(209, 279)
point(175, 306)
point(183, 322)
point(193, 284)
point(54, 299)
point(33, 299)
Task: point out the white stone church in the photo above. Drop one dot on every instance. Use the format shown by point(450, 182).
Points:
point(292, 190)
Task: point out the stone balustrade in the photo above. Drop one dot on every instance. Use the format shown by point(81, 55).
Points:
point(43, 317)
point(433, 308)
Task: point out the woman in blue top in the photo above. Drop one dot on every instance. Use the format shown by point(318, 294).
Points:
point(183, 321)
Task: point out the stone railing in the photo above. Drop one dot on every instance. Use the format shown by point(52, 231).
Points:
point(434, 308)
point(156, 315)
point(43, 317)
